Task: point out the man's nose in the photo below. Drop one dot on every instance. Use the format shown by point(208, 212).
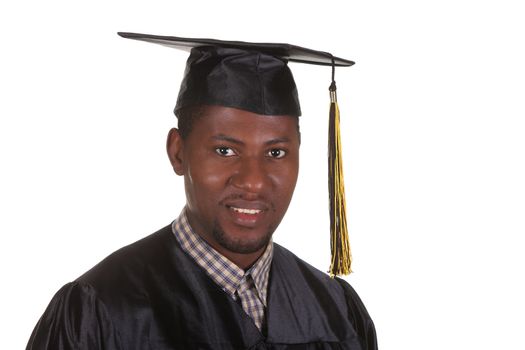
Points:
point(251, 175)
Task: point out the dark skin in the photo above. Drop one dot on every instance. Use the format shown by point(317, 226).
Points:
point(240, 171)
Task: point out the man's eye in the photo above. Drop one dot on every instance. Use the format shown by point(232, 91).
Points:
point(276, 153)
point(224, 151)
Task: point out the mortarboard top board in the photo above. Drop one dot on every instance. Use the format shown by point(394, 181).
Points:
point(256, 77)
point(287, 52)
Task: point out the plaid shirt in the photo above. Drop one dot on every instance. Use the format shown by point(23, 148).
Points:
point(249, 286)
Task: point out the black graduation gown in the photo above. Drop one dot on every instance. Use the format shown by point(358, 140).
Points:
point(152, 295)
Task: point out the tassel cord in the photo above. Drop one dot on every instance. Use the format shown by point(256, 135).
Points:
point(340, 248)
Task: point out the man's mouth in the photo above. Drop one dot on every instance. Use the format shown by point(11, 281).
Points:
point(246, 211)
point(247, 217)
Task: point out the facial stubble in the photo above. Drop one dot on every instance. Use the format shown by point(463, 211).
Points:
point(240, 246)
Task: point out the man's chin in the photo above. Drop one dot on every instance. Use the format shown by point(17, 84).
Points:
point(241, 244)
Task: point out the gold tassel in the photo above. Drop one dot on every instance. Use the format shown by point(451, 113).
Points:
point(340, 247)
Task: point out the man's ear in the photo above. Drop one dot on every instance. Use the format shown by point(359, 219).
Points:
point(175, 148)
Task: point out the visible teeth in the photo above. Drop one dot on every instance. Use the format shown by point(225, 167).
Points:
point(246, 211)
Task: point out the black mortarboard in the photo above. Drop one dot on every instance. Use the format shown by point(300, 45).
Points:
point(256, 77)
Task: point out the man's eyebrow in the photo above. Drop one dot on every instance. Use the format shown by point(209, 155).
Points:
point(277, 140)
point(222, 137)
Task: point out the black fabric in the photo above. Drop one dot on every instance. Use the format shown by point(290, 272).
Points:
point(230, 77)
point(151, 295)
point(249, 76)
point(287, 52)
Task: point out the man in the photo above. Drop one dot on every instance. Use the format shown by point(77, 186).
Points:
point(214, 279)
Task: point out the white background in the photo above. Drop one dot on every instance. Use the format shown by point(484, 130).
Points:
point(433, 127)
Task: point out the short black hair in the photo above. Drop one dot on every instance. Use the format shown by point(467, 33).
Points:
point(187, 117)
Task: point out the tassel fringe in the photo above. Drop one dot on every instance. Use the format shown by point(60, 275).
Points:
point(341, 259)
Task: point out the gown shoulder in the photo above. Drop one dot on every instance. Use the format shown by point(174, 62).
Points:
point(359, 317)
point(74, 319)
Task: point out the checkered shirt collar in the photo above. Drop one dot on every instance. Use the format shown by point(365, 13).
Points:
point(221, 270)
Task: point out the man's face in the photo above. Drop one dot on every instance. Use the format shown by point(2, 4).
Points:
point(240, 171)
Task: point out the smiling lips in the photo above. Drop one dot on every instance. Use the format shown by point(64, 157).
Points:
point(248, 217)
point(246, 211)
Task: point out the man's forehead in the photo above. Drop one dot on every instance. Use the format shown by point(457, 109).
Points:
point(221, 120)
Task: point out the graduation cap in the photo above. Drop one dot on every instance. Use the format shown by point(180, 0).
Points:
point(255, 77)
